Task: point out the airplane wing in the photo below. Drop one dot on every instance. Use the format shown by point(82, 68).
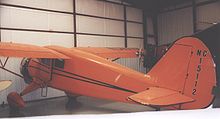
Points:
point(30, 51)
point(4, 84)
point(112, 52)
point(155, 96)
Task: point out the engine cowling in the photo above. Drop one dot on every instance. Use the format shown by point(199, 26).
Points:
point(24, 70)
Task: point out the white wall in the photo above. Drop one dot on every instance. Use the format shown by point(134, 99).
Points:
point(40, 20)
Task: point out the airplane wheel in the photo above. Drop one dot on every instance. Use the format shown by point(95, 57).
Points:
point(15, 103)
point(72, 102)
point(71, 95)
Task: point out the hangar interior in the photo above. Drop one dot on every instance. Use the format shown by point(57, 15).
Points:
point(148, 24)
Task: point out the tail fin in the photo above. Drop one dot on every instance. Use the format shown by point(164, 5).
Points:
point(188, 68)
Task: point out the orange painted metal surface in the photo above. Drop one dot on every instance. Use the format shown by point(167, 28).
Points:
point(96, 76)
point(24, 50)
point(183, 77)
point(15, 100)
point(160, 97)
point(111, 52)
point(188, 68)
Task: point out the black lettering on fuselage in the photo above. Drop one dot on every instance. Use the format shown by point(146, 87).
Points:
point(199, 68)
point(204, 53)
point(201, 54)
point(200, 60)
point(194, 92)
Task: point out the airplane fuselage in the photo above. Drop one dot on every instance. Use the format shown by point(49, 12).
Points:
point(89, 75)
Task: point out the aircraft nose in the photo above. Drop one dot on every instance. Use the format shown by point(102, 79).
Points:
point(24, 70)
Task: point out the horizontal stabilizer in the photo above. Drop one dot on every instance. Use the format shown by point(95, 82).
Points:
point(29, 51)
point(160, 97)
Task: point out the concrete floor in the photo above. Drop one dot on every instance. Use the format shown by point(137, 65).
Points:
point(84, 105)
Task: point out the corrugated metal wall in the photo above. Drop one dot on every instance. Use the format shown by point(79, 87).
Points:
point(99, 26)
point(13, 17)
point(175, 24)
point(208, 14)
point(134, 30)
point(150, 31)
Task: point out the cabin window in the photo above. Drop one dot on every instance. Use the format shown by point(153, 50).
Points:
point(59, 63)
point(46, 61)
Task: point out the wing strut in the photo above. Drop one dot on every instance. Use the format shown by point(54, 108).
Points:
point(3, 64)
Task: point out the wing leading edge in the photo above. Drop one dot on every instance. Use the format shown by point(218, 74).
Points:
point(30, 51)
point(155, 96)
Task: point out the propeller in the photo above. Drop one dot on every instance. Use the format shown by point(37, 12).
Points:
point(4, 84)
point(140, 55)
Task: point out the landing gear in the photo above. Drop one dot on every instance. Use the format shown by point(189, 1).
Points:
point(72, 102)
point(15, 103)
point(156, 108)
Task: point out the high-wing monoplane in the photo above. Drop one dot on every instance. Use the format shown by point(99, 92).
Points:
point(182, 79)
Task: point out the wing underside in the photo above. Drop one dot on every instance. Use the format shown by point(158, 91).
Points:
point(155, 96)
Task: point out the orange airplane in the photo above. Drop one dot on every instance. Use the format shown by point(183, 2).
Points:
point(182, 79)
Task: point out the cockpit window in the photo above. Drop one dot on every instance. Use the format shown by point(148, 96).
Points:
point(59, 63)
point(46, 61)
